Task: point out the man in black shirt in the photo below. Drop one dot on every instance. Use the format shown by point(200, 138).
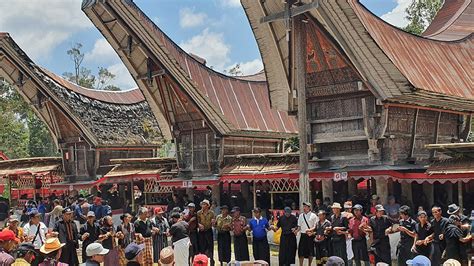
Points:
point(455, 239)
point(407, 235)
point(143, 232)
point(465, 227)
point(68, 234)
point(89, 233)
point(380, 227)
point(180, 239)
point(288, 224)
point(439, 224)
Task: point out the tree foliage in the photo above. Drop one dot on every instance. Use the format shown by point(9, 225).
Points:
point(22, 133)
point(83, 76)
point(234, 71)
point(420, 13)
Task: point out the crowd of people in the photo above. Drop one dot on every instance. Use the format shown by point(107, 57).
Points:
point(185, 234)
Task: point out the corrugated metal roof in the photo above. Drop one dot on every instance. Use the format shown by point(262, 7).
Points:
point(233, 104)
point(399, 66)
point(454, 21)
point(435, 66)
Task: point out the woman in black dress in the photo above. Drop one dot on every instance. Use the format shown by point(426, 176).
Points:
point(321, 240)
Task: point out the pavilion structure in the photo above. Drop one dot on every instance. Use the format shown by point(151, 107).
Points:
point(89, 127)
point(211, 116)
point(372, 95)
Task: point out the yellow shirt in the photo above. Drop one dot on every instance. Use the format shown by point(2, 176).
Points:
point(206, 219)
point(18, 234)
point(223, 224)
point(20, 262)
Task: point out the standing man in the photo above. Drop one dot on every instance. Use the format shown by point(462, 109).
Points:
point(192, 220)
point(407, 235)
point(455, 239)
point(321, 238)
point(306, 221)
point(259, 226)
point(180, 239)
point(439, 224)
point(453, 209)
point(289, 229)
point(379, 228)
point(35, 233)
point(89, 233)
point(423, 238)
point(357, 226)
point(206, 219)
point(68, 234)
point(239, 228)
point(224, 241)
point(339, 225)
point(143, 232)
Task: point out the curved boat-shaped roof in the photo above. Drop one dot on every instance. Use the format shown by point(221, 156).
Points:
point(454, 21)
point(104, 118)
point(401, 67)
point(233, 105)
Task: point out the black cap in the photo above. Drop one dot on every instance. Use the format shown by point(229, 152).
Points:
point(33, 212)
point(175, 215)
point(224, 207)
point(25, 247)
point(257, 209)
point(235, 209)
point(132, 250)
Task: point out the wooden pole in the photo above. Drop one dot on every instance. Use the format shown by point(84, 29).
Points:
point(300, 70)
point(133, 195)
point(460, 196)
point(254, 194)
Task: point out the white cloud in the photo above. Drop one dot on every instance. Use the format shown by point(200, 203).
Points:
point(102, 52)
point(230, 3)
point(210, 46)
point(188, 18)
point(123, 79)
point(250, 67)
point(396, 17)
point(39, 27)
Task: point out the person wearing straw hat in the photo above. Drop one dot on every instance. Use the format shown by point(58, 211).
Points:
point(339, 226)
point(52, 249)
point(206, 219)
point(66, 231)
point(159, 229)
point(89, 233)
point(379, 228)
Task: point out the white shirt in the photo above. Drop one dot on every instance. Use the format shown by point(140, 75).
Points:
point(311, 218)
point(31, 229)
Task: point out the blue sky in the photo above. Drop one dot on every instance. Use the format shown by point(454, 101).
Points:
point(217, 30)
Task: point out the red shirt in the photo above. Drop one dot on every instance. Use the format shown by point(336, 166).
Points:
point(354, 224)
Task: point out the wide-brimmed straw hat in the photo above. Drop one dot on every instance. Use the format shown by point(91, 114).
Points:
point(50, 245)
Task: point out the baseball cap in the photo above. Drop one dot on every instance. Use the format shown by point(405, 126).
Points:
point(68, 210)
point(7, 235)
point(358, 207)
point(235, 209)
point(96, 249)
point(191, 205)
point(287, 210)
point(90, 214)
point(132, 250)
point(379, 207)
point(307, 204)
point(419, 260)
point(33, 212)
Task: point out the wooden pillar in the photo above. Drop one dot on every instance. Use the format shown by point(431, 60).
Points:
point(449, 191)
point(407, 191)
point(428, 190)
point(460, 194)
point(272, 205)
point(132, 198)
point(300, 75)
point(351, 187)
point(254, 194)
point(216, 194)
point(327, 189)
point(246, 194)
point(382, 190)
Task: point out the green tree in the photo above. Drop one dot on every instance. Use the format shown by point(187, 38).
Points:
point(22, 134)
point(235, 70)
point(83, 76)
point(420, 13)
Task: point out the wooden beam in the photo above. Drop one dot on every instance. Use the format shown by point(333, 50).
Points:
point(289, 13)
point(436, 135)
point(337, 119)
point(300, 64)
point(413, 134)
